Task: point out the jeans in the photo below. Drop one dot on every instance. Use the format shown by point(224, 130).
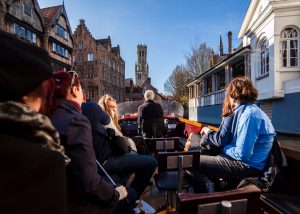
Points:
point(142, 165)
point(220, 166)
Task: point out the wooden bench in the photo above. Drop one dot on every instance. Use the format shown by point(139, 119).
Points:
point(195, 203)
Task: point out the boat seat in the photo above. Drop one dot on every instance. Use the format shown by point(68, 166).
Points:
point(242, 200)
point(280, 203)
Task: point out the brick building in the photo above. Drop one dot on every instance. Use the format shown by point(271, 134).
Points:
point(47, 28)
point(99, 65)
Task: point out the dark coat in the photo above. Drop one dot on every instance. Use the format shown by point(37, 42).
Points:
point(32, 178)
point(88, 192)
point(150, 119)
point(98, 118)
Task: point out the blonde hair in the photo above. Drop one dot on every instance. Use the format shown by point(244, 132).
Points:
point(103, 103)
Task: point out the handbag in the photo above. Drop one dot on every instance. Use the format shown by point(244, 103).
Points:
point(120, 145)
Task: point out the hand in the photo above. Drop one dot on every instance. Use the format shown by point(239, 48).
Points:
point(122, 191)
point(187, 145)
point(204, 131)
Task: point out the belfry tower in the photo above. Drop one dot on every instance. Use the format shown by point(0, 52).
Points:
point(141, 65)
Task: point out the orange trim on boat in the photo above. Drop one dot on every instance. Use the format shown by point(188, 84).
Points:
point(196, 123)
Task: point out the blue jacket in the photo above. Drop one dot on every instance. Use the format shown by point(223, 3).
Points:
point(224, 134)
point(253, 135)
point(87, 191)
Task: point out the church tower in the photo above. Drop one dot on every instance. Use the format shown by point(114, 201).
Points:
point(141, 65)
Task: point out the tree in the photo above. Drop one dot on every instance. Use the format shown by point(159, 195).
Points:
point(197, 61)
point(176, 85)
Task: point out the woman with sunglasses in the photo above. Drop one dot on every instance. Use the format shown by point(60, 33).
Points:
point(32, 162)
point(109, 105)
point(88, 192)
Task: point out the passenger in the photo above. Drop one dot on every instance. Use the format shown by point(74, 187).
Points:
point(150, 117)
point(211, 139)
point(143, 166)
point(32, 162)
point(88, 192)
point(109, 105)
point(253, 135)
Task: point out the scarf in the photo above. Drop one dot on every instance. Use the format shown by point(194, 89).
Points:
point(21, 121)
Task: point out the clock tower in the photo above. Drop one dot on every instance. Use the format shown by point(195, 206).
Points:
point(141, 65)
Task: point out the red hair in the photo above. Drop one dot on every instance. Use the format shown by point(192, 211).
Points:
point(63, 81)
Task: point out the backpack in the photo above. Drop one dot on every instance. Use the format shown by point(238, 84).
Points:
point(274, 172)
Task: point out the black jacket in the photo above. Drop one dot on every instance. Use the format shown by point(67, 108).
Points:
point(32, 178)
point(150, 119)
point(88, 192)
point(98, 118)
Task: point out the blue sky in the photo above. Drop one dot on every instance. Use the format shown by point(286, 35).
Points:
point(168, 27)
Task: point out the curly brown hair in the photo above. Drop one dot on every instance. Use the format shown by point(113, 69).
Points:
point(242, 89)
point(226, 107)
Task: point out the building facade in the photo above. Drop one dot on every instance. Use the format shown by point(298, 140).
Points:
point(47, 28)
point(272, 30)
point(24, 20)
point(269, 54)
point(141, 65)
point(58, 37)
point(99, 65)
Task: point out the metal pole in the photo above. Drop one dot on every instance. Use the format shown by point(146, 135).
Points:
point(106, 174)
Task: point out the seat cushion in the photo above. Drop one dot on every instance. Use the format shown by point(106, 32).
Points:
point(168, 181)
point(285, 203)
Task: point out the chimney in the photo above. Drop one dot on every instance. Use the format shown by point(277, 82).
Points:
point(229, 42)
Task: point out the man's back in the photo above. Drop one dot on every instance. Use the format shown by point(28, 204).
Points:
point(151, 119)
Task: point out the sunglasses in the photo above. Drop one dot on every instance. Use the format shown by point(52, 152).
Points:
point(111, 99)
point(73, 77)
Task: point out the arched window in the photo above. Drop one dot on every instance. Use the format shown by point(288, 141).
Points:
point(264, 58)
point(289, 47)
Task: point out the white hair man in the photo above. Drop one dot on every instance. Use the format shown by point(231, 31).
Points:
point(150, 117)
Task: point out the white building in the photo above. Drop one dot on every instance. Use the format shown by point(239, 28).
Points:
point(271, 29)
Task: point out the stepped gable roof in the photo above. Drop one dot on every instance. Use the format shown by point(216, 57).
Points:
point(105, 42)
point(116, 50)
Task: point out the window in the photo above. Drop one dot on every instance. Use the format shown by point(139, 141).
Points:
point(16, 29)
point(208, 88)
point(139, 76)
point(22, 33)
point(61, 31)
point(80, 46)
point(220, 77)
point(59, 50)
point(90, 71)
point(27, 9)
point(192, 92)
point(34, 38)
point(289, 47)
point(90, 57)
point(264, 58)
point(28, 35)
point(90, 94)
